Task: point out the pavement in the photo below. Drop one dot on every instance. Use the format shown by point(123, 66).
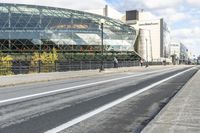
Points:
point(182, 113)
point(40, 107)
point(43, 77)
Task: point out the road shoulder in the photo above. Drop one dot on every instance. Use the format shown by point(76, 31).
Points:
point(45, 77)
point(182, 113)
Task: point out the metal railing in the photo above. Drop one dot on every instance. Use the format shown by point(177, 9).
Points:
point(25, 67)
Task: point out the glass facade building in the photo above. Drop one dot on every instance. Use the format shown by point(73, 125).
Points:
point(27, 28)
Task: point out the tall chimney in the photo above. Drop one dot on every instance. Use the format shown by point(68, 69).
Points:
point(105, 11)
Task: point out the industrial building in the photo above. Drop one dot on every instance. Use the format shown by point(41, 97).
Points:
point(179, 53)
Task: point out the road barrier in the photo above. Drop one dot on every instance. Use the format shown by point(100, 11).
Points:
point(25, 67)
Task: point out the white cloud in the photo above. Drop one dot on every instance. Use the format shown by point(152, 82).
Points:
point(172, 15)
point(195, 21)
point(187, 32)
point(195, 3)
point(70, 4)
point(145, 4)
point(189, 37)
point(161, 3)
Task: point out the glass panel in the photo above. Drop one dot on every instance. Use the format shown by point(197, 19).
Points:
point(14, 9)
point(3, 9)
point(28, 10)
point(63, 27)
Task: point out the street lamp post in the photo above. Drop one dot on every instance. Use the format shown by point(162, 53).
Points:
point(102, 21)
point(39, 63)
point(146, 53)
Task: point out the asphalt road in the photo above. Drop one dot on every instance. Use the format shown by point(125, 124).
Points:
point(40, 107)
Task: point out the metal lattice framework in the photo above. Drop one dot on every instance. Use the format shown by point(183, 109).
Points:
point(27, 28)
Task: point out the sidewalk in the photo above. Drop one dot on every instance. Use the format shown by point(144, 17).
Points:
point(42, 77)
point(182, 113)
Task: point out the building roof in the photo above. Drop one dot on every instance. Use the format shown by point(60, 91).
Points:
point(61, 13)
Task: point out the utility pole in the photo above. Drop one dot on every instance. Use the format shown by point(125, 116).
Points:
point(102, 21)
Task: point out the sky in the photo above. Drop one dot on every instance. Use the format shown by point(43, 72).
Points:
point(182, 16)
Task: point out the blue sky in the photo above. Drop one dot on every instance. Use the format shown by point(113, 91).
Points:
point(182, 16)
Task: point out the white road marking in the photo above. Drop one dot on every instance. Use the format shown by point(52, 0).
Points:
point(109, 105)
point(75, 87)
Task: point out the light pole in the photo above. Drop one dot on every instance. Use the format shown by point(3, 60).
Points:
point(39, 63)
point(146, 53)
point(150, 42)
point(102, 21)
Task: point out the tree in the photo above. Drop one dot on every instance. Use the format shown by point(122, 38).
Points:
point(48, 60)
point(53, 56)
point(5, 64)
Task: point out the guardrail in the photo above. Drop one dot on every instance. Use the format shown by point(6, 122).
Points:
point(25, 67)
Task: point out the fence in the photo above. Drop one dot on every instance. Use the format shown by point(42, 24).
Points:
point(25, 67)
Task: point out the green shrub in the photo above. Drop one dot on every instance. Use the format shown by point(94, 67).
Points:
point(5, 65)
point(47, 61)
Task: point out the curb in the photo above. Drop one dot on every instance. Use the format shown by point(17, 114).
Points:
point(94, 73)
point(63, 78)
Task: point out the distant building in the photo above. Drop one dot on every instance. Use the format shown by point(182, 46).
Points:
point(183, 54)
point(179, 53)
point(152, 32)
point(175, 51)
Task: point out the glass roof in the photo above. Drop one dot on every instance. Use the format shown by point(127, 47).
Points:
point(62, 13)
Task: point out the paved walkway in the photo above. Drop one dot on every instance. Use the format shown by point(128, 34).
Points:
point(32, 78)
point(182, 113)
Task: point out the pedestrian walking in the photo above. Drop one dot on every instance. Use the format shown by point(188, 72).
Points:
point(115, 61)
point(141, 62)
